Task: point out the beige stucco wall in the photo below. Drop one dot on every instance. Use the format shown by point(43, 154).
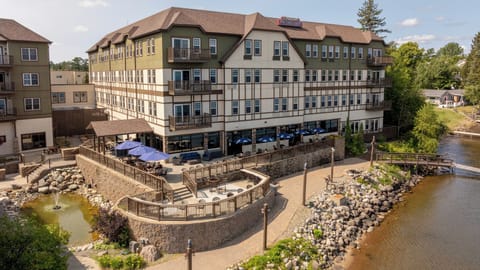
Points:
point(68, 89)
point(7, 129)
point(67, 77)
point(34, 126)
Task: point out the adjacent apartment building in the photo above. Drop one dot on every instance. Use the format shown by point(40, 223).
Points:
point(206, 79)
point(25, 107)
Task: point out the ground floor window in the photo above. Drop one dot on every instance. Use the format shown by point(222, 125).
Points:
point(185, 143)
point(33, 141)
point(213, 140)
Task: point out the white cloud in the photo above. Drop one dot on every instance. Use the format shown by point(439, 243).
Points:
point(440, 19)
point(409, 22)
point(80, 28)
point(93, 3)
point(425, 38)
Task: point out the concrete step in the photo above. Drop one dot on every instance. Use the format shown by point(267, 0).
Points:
point(181, 194)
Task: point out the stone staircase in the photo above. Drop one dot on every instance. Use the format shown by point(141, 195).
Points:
point(44, 167)
point(181, 194)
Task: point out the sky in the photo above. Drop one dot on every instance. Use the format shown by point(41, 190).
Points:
point(73, 26)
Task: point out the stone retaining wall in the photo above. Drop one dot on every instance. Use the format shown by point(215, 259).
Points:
point(111, 184)
point(171, 237)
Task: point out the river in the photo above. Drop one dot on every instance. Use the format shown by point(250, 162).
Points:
point(435, 227)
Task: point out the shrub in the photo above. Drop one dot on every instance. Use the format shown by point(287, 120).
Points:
point(116, 262)
point(130, 262)
point(113, 225)
point(133, 261)
point(317, 233)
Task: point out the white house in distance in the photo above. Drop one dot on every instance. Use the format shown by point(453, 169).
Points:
point(445, 98)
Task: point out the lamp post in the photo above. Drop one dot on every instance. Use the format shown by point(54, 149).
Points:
point(372, 151)
point(189, 254)
point(332, 163)
point(265, 211)
point(304, 194)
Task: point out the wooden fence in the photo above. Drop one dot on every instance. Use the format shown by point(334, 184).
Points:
point(156, 182)
point(147, 205)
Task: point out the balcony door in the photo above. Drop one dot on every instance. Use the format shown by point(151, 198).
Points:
point(2, 80)
point(182, 113)
point(181, 48)
point(3, 106)
point(2, 53)
point(181, 79)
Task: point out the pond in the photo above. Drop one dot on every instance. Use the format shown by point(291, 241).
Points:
point(74, 215)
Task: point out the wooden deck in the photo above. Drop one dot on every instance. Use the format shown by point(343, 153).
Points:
point(432, 160)
point(467, 134)
point(467, 168)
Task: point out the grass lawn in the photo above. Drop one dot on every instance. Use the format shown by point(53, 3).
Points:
point(455, 118)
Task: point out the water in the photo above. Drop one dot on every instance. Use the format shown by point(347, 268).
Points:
point(437, 226)
point(74, 215)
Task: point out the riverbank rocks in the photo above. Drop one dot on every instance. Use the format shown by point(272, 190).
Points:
point(150, 253)
point(64, 179)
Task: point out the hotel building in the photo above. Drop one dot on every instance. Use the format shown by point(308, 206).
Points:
point(25, 106)
point(213, 80)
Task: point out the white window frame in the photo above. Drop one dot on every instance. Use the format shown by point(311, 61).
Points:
point(248, 106)
point(58, 97)
point(345, 52)
point(213, 75)
point(331, 49)
point(248, 46)
point(324, 51)
point(257, 47)
point(315, 50)
point(276, 104)
point(80, 97)
point(284, 104)
point(196, 44)
point(29, 78)
point(285, 48)
point(212, 43)
point(213, 107)
point(30, 102)
point(308, 50)
point(257, 106)
point(235, 76)
point(360, 53)
point(337, 52)
point(277, 48)
point(29, 55)
point(235, 110)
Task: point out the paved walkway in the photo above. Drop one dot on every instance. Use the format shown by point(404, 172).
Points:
point(283, 218)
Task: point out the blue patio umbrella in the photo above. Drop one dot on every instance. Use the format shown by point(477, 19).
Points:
point(302, 132)
point(127, 145)
point(285, 136)
point(138, 151)
point(265, 139)
point(154, 156)
point(318, 130)
point(243, 140)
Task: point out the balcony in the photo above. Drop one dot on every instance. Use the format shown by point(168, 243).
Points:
point(190, 122)
point(188, 55)
point(7, 88)
point(8, 114)
point(6, 61)
point(186, 88)
point(385, 105)
point(380, 83)
point(380, 61)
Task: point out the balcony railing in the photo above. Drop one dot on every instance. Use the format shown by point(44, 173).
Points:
point(6, 60)
point(380, 61)
point(9, 113)
point(380, 83)
point(190, 122)
point(7, 88)
point(188, 55)
point(181, 88)
point(385, 105)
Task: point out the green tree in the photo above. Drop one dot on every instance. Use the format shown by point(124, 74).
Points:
point(76, 64)
point(471, 72)
point(26, 244)
point(370, 19)
point(427, 130)
point(452, 49)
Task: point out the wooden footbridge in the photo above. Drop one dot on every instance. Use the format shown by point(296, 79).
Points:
point(427, 160)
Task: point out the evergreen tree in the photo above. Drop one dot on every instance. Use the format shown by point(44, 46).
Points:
point(471, 72)
point(370, 19)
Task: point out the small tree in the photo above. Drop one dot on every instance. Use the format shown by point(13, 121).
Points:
point(427, 130)
point(369, 18)
point(113, 225)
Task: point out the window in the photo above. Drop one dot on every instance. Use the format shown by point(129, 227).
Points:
point(351, 99)
point(257, 105)
point(248, 47)
point(197, 75)
point(324, 51)
point(151, 76)
point(337, 52)
point(258, 76)
point(322, 101)
point(213, 107)
point(276, 48)
point(345, 52)
point(295, 75)
point(276, 75)
point(234, 107)
point(315, 51)
point(213, 75)
point(324, 75)
point(359, 98)
point(29, 54)
point(32, 104)
point(257, 47)
point(344, 100)
point(284, 104)
point(285, 48)
point(197, 108)
point(307, 75)
point(285, 75)
point(314, 101)
point(336, 75)
point(151, 46)
point(330, 51)
point(314, 75)
point(30, 79)
point(307, 102)
point(248, 106)
point(58, 97)
point(33, 141)
point(360, 53)
point(79, 97)
point(234, 76)
point(141, 106)
point(295, 103)
point(308, 50)
point(138, 48)
point(353, 50)
point(152, 108)
point(248, 75)
point(344, 75)
point(275, 104)
point(329, 101)
point(330, 75)
point(359, 75)
point(196, 43)
point(213, 45)
point(335, 100)
point(369, 53)
point(352, 75)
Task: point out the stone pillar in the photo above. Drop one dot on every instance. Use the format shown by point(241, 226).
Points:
point(165, 144)
point(223, 142)
point(278, 138)
point(205, 141)
point(254, 140)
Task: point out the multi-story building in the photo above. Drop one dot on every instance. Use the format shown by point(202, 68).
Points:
point(25, 107)
point(205, 79)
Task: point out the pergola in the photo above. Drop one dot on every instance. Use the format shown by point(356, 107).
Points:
point(102, 129)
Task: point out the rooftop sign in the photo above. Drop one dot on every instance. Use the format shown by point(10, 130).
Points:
point(290, 22)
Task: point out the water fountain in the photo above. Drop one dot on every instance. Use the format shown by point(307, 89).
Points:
point(56, 197)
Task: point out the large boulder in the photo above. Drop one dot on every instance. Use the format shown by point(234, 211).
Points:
point(150, 253)
point(43, 190)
